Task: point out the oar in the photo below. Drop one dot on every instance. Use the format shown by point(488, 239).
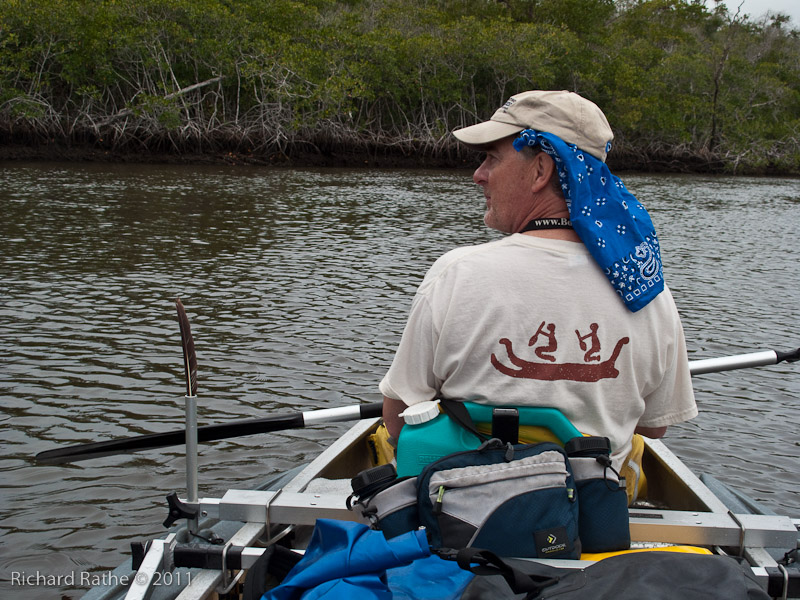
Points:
point(207, 433)
point(742, 361)
point(210, 433)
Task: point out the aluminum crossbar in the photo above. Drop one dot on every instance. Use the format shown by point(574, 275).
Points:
point(647, 525)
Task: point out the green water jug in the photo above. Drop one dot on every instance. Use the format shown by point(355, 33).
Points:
point(429, 435)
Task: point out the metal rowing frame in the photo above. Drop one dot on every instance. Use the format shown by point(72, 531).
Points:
point(715, 526)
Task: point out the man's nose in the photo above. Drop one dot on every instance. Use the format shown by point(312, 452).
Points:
point(479, 176)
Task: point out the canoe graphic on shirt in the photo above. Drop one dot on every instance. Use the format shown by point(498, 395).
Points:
point(554, 371)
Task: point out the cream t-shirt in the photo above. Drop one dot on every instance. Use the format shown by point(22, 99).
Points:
point(529, 321)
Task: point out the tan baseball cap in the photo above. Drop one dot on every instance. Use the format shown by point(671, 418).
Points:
point(571, 117)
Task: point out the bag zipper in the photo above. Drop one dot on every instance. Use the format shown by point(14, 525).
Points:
point(437, 506)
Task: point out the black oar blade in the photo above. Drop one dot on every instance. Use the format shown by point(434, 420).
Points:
point(61, 456)
point(189, 356)
point(152, 441)
point(207, 433)
point(790, 356)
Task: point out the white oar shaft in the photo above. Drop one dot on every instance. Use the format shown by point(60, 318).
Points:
point(329, 415)
point(730, 363)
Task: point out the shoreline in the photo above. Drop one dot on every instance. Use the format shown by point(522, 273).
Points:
point(292, 159)
point(387, 157)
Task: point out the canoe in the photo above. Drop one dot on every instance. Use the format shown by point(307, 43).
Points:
point(680, 509)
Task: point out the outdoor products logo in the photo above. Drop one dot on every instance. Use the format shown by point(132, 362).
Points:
point(550, 542)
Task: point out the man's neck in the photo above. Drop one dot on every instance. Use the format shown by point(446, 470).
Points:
point(568, 235)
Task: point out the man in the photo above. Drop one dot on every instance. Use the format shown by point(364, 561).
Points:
point(570, 309)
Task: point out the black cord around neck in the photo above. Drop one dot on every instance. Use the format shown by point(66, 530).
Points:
point(537, 224)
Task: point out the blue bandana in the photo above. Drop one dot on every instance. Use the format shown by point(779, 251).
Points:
point(610, 221)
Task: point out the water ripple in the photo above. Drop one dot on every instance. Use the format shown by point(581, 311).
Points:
point(298, 284)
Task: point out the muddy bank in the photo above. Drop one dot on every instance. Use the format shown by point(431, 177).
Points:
point(290, 157)
point(309, 155)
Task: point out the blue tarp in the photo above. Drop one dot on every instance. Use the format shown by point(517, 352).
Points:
point(347, 560)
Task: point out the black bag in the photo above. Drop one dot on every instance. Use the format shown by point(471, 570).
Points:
point(388, 504)
point(650, 575)
point(513, 500)
point(505, 498)
point(604, 520)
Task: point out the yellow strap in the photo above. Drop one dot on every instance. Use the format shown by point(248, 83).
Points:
point(381, 451)
point(635, 480)
point(684, 549)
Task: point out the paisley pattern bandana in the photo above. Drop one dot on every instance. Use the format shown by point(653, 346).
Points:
point(610, 221)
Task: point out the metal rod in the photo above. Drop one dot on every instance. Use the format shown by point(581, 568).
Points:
point(191, 456)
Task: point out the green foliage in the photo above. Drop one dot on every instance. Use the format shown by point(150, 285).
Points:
point(675, 78)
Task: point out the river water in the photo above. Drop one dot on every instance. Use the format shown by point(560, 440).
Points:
point(297, 284)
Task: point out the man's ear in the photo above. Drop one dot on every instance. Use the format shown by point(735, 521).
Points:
point(543, 169)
